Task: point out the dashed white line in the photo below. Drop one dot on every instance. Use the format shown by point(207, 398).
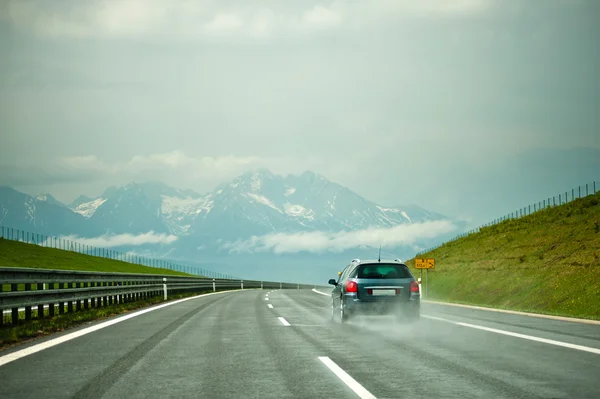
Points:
point(266, 299)
point(346, 378)
point(270, 306)
point(518, 335)
point(284, 321)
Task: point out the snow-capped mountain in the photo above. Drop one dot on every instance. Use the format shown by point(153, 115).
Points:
point(47, 197)
point(252, 204)
point(42, 214)
point(264, 202)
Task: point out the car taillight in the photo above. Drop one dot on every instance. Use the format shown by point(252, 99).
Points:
point(351, 286)
point(414, 286)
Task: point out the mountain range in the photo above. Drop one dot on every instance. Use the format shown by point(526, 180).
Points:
point(252, 205)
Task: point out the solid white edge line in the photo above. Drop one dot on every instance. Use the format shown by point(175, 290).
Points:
point(346, 378)
point(284, 321)
point(518, 335)
point(515, 312)
point(319, 292)
point(270, 306)
point(532, 338)
point(67, 337)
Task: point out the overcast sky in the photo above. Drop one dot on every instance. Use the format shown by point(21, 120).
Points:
point(465, 107)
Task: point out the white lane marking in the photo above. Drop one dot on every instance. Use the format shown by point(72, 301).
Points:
point(284, 321)
point(319, 292)
point(266, 299)
point(67, 337)
point(543, 316)
point(270, 306)
point(532, 338)
point(436, 318)
point(345, 377)
point(518, 335)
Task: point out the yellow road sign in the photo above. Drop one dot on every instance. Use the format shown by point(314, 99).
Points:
point(422, 263)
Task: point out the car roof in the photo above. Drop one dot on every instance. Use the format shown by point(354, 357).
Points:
point(369, 261)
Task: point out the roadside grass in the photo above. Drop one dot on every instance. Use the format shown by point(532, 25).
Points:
point(37, 328)
point(547, 262)
point(18, 254)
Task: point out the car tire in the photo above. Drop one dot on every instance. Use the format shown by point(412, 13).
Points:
point(333, 311)
point(343, 314)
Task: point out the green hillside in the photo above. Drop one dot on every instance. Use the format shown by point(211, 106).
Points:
point(547, 262)
point(18, 254)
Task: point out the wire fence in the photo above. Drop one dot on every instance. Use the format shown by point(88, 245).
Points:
point(557, 200)
point(64, 244)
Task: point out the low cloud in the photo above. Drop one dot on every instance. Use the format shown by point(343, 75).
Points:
point(110, 241)
point(75, 175)
point(85, 162)
point(178, 159)
point(319, 241)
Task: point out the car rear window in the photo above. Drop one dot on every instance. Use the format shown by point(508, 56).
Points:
point(382, 270)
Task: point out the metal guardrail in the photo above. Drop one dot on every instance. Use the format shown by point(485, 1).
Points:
point(22, 289)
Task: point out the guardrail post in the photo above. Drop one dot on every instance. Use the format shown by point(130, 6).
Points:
point(165, 287)
point(40, 287)
point(261, 285)
point(242, 283)
point(280, 285)
point(214, 286)
point(27, 308)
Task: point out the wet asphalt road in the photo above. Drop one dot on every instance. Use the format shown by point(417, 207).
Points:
point(233, 345)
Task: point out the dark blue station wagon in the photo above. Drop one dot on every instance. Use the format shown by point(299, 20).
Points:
point(375, 288)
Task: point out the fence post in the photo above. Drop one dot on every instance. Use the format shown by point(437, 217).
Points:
point(587, 192)
point(214, 286)
point(261, 285)
point(559, 200)
point(594, 186)
point(242, 283)
point(165, 287)
point(280, 285)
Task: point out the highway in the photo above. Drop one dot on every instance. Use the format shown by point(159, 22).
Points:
point(283, 344)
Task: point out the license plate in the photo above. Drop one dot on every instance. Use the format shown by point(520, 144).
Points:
point(384, 292)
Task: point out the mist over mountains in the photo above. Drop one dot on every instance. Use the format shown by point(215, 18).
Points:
point(259, 223)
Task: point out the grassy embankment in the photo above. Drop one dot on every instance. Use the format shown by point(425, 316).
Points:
point(547, 262)
point(16, 254)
